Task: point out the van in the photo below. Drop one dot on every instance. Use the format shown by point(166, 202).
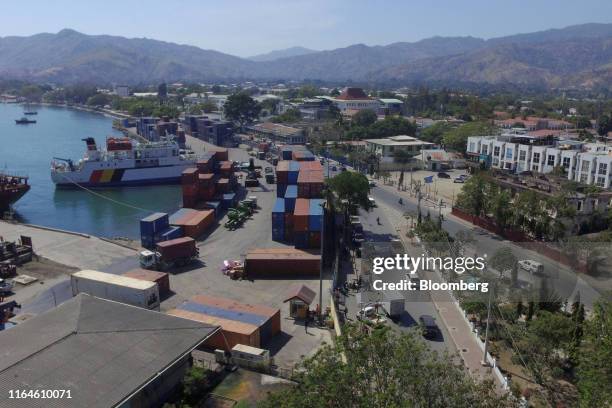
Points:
point(533, 267)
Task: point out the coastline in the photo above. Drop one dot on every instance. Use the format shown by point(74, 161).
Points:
point(106, 112)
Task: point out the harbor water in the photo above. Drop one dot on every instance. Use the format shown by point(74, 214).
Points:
point(29, 149)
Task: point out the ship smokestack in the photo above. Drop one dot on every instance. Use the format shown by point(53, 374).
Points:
point(91, 143)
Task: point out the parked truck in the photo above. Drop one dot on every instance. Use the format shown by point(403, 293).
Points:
point(169, 254)
point(119, 288)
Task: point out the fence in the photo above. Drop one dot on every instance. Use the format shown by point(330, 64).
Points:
point(521, 239)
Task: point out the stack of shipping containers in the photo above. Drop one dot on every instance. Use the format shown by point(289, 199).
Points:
point(298, 212)
point(211, 184)
point(251, 325)
point(155, 228)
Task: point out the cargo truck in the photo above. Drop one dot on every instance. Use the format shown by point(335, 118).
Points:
point(169, 254)
point(135, 292)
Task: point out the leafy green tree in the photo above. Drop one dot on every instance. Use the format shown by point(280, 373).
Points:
point(241, 108)
point(364, 118)
point(334, 92)
point(195, 385)
point(595, 366)
point(456, 138)
point(503, 260)
point(32, 93)
point(204, 107)
point(582, 122)
point(271, 105)
point(604, 125)
point(391, 126)
point(472, 197)
point(434, 133)
point(500, 208)
point(291, 115)
point(352, 187)
point(99, 99)
point(383, 369)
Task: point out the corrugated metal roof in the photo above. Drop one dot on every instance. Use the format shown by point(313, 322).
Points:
point(102, 351)
point(302, 292)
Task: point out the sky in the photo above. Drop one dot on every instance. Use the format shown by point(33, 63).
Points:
point(246, 28)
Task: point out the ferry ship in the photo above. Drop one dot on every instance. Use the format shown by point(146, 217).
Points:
point(124, 163)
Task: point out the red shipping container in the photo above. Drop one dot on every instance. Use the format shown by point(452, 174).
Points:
point(189, 176)
point(205, 165)
point(206, 193)
point(314, 239)
point(223, 185)
point(221, 155)
point(274, 262)
point(190, 189)
point(300, 215)
point(189, 201)
point(205, 179)
point(176, 248)
point(161, 278)
point(304, 190)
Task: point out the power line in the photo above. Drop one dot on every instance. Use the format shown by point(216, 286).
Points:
point(105, 197)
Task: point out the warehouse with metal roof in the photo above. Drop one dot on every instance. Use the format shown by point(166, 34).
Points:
point(105, 353)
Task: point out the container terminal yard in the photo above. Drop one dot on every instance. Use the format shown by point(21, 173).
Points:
point(206, 288)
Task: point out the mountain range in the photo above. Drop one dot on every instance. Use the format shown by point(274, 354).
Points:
point(576, 56)
point(278, 54)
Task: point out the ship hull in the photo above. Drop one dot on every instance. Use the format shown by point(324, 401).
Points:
point(119, 177)
point(9, 197)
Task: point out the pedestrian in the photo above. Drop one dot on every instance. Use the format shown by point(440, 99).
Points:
point(306, 323)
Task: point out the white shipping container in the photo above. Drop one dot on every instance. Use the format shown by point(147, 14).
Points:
point(118, 288)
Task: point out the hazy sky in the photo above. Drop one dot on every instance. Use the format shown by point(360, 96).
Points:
point(246, 27)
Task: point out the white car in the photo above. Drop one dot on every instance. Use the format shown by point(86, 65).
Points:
point(530, 266)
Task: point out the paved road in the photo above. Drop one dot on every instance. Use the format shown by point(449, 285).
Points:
point(558, 277)
point(417, 303)
point(564, 281)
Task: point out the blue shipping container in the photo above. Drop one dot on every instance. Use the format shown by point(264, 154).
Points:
point(294, 166)
point(315, 215)
point(280, 190)
point(154, 224)
point(229, 200)
point(278, 234)
point(300, 239)
point(215, 206)
point(171, 233)
point(290, 197)
point(278, 217)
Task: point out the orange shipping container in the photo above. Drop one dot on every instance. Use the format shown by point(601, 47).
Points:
point(197, 224)
point(300, 215)
point(232, 332)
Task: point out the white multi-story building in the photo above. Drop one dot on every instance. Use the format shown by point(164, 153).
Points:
point(586, 163)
